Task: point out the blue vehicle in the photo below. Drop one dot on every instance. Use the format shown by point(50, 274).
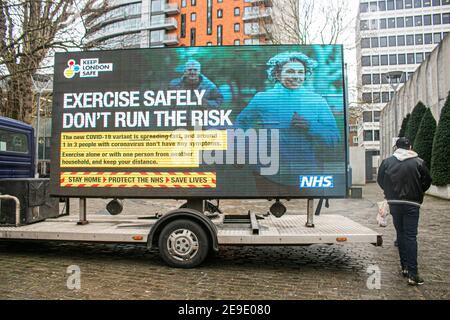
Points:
point(17, 149)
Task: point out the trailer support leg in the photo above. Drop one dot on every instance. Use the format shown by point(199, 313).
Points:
point(310, 214)
point(83, 220)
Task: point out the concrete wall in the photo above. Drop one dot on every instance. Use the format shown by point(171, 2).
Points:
point(358, 164)
point(429, 84)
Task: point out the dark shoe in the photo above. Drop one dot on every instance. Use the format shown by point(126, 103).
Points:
point(405, 273)
point(415, 281)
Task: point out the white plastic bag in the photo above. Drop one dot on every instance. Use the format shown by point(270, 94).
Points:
point(383, 213)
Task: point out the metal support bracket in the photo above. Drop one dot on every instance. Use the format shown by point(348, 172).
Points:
point(310, 214)
point(83, 214)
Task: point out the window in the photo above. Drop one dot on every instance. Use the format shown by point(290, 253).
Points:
point(392, 41)
point(376, 97)
point(183, 3)
point(237, 27)
point(376, 136)
point(382, 5)
point(373, 7)
point(237, 42)
point(366, 79)
point(409, 22)
point(209, 43)
point(365, 61)
point(419, 39)
point(374, 24)
point(375, 61)
point(364, 25)
point(400, 22)
point(383, 42)
point(385, 97)
point(156, 36)
point(209, 17)
point(376, 79)
point(391, 5)
point(399, 4)
point(367, 116)
point(237, 12)
point(428, 38)
point(193, 3)
point(374, 42)
point(408, 4)
point(418, 21)
point(384, 79)
point(367, 97)
point(183, 26)
point(193, 16)
point(355, 140)
point(391, 23)
point(219, 13)
point(437, 37)
point(392, 59)
point(446, 18)
point(417, 3)
point(419, 57)
point(384, 60)
point(402, 58)
point(368, 135)
point(365, 43)
point(364, 7)
point(410, 58)
point(13, 142)
point(409, 39)
point(427, 3)
point(376, 116)
point(401, 40)
point(436, 3)
point(192, 37)
point(383, 24)
point(427, 20)
point(219, 35)
point(436, 19)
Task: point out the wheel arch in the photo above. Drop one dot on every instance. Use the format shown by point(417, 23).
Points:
point(188, 214)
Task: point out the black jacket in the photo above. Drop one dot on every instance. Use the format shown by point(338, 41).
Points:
point(404, 178)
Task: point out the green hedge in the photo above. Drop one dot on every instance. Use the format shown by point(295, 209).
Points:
point(404, 126)
point(414, 121)
point(423, 144)
point(440, 163)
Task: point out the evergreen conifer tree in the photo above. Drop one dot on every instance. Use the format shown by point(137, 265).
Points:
point(423, 144)
point(440, 163)
point(414, 121)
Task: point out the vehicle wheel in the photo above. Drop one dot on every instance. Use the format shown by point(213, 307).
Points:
point(183, 244)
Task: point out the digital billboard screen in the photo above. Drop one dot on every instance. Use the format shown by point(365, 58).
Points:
point(202, 122)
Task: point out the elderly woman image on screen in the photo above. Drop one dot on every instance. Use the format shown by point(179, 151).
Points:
point(304, 119)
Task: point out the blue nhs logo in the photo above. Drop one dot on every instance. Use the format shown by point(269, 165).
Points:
point(313, 182)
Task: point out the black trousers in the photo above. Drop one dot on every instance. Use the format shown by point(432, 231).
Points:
point(406, 222)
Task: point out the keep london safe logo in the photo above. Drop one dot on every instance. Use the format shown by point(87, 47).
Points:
point(88, 68)
point(315, 182)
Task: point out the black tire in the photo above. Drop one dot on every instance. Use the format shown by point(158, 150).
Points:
point(187, 247)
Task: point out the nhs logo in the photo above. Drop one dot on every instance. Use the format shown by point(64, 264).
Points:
point(313, 182)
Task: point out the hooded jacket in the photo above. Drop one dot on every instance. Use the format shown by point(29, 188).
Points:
point(404, 178)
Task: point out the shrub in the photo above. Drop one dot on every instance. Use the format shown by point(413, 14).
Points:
point(414, 121)
point(404, 126)
point(440, 163)
point(423, 144)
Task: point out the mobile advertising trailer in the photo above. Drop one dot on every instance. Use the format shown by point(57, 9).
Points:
point(200, 124)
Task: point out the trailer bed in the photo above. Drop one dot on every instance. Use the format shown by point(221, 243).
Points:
point(288, 230)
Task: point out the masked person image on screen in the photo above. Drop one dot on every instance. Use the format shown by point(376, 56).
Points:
point(193, 79)
point(307, 127)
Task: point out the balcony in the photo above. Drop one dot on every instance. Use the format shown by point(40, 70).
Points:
point(168, 24)
point(171, 8)
point(260, 31)
point(260, 14)
point(170, 39)
point(267, 3)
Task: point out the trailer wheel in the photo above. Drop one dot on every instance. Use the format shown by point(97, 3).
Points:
point(183, 244)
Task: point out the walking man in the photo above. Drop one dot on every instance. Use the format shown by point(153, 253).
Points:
point(404, 179)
